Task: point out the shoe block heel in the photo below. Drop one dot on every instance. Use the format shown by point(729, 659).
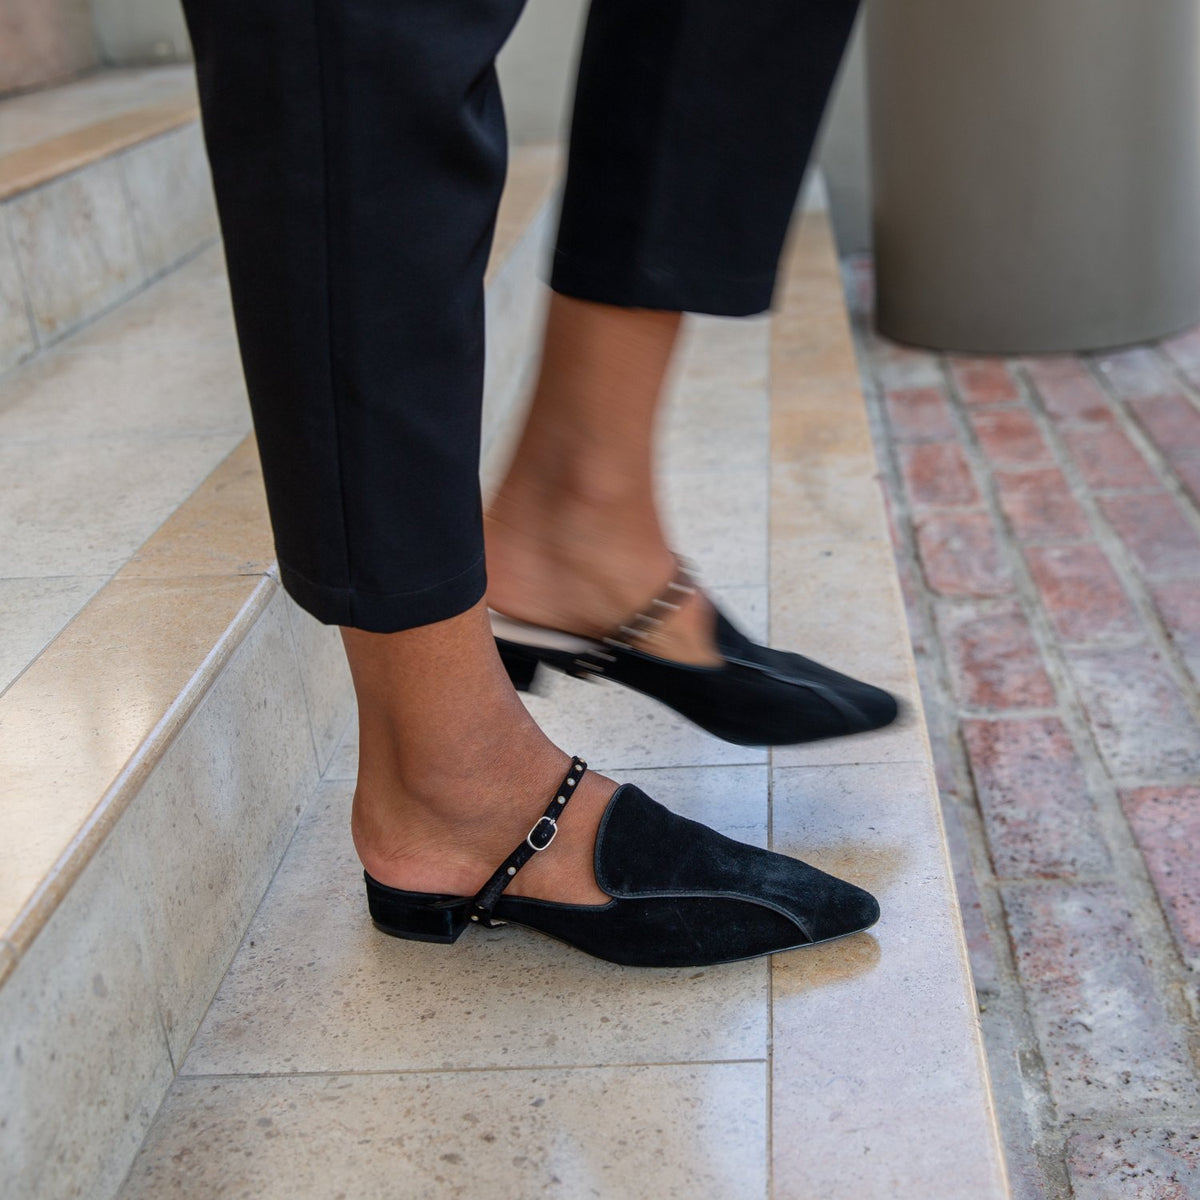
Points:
point(415, 915)
point(522, 666)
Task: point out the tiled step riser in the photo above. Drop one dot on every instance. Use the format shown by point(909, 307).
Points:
point(81, 243)
point(104, 1004)
point(133, 953)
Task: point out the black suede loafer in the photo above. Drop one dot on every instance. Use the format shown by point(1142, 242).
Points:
point(682, 894)
point(756, 697)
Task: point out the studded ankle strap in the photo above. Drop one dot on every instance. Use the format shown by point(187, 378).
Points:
point(631, 633)
point(536, 840)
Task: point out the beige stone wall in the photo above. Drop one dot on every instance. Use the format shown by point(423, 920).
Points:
point(44, 41)
point(140, 31)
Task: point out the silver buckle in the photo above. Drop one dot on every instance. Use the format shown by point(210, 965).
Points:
point(553, 833)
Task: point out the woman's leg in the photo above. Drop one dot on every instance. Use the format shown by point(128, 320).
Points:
point(693, 124)
point(358, 153)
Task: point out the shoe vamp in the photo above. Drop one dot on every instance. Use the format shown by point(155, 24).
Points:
point(644, 850)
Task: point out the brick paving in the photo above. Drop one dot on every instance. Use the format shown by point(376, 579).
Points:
point(1046, 520)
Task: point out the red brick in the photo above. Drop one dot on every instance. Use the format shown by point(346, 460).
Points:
point(1138, 715)
point(1034, 799)
point(1141, 371)
point(1068, 390)
point(1081, 592)
point(1178, 603)
point(1010, 438)
point(1166, 823)
point(919, 414)
point(1156, 533)
point(979, 940)
point(960, 554)
point(1135, 1164)
point(993, 659)
point(1106, 458)
point(983, 380)
point(937, 473)
point(1106, 1041)
point(1039, 504)
point(1173, 424)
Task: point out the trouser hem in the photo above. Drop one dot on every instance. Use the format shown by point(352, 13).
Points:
point(387, 613)
point(655, 287)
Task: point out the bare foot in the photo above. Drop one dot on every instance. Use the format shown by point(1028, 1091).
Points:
point(587, 584)
point(453, 771)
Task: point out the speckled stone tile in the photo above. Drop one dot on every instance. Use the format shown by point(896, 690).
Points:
point(75, 720)
point(170, 196)
point(192, 385)
point(85, 1059)
point(315, 987)
point(33, 611)
point(222, 528)
point(720, 522)
point(686, 1132)
point(325, 674)
point(840, 604)
point(83, 507)
point(76, 248)
point(44, 115)
point(856, 1111)
point(17, 340)
point(716, 418)
point(214, 818)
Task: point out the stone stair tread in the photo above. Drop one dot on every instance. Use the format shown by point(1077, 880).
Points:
point(46, 133)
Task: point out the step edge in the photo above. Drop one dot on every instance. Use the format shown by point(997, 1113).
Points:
point(90, 836)
point(31, 167)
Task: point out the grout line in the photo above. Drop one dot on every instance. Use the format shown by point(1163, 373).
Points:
point(498, 1069)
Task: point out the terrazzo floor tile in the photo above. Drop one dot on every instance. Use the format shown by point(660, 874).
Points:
point(315, 987)
point(691, 1132)
point(720, 521)
point(50, 113)
point(873, 997)
point(191, 385)
point(32, 611)
point(84, 507)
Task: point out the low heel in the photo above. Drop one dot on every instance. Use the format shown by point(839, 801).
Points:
point(417, 916)
point(521, 665)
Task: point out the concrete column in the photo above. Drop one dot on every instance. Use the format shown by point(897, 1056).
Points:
point(1036, 171)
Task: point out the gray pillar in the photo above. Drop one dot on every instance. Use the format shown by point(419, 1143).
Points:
point(1036, 171)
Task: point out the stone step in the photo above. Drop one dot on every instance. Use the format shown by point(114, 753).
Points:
point(334, 1059)
point(164, 706)
point(103, 188)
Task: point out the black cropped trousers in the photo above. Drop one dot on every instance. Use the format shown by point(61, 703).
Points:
point(358, 152)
